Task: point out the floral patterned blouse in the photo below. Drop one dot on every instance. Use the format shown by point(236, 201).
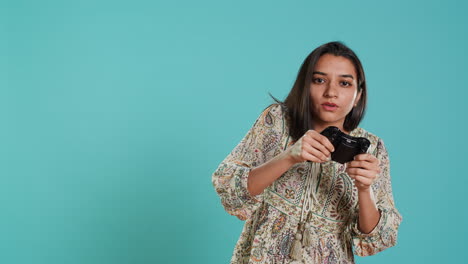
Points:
point(272, 217)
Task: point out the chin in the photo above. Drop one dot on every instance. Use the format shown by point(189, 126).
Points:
point(330, 117)
point(330, 120)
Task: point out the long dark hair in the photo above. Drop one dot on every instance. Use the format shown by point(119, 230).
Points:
point(297, 103)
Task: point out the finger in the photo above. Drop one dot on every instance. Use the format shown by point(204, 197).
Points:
point(363, 180)
point(360, 164)
point(370, 174)
point(360, 185)
point(373, 159)
point(361, 172)
point(365, 156)
point(324, 141)
point(315, 152)
point(311, 140)
point(378, 161)
point(367, 161)
point(357, 183)
point(311, 157)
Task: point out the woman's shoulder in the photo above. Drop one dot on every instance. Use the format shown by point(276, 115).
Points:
point(273, 114)
point(275, 108)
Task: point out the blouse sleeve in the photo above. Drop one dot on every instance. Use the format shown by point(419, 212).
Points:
point(384, 235)
point(230, 178)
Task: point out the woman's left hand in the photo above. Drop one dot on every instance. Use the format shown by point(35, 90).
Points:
point(364, 169)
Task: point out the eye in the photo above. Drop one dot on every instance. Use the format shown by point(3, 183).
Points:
point(318, 80)
point(346, 83)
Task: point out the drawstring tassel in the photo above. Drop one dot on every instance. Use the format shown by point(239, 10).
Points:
point(307, 237)
point(296, 249)
point(303, 235)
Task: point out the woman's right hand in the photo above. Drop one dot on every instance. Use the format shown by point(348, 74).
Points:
point(311, 146)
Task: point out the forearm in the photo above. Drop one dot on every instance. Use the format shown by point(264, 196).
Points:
point(264, 175)
point(369, 215)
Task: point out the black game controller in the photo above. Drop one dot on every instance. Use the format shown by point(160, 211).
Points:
point(346, 146)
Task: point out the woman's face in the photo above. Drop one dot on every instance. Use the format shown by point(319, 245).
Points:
point(334, 80)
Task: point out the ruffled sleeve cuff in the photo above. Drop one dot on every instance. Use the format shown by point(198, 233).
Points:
point(232, 188)
point(383, 236)
point(374, 231)
point(241, 187)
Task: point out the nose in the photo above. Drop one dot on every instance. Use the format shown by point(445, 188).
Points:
point(331, 91)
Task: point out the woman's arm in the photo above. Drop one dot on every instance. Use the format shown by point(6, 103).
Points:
point(230, 179)
point(264, 175)
point(364, 170)
point(369, 215)
point(373, 232)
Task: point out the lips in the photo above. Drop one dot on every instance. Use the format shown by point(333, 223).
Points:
point(330, 104)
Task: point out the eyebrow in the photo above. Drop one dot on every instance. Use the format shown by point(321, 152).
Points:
point(342, 75)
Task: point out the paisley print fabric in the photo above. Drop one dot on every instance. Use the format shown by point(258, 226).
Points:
point(272, 217)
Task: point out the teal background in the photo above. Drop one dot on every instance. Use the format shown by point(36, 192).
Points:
point(114, 115)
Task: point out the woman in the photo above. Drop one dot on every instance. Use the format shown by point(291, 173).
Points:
point(300, 206)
